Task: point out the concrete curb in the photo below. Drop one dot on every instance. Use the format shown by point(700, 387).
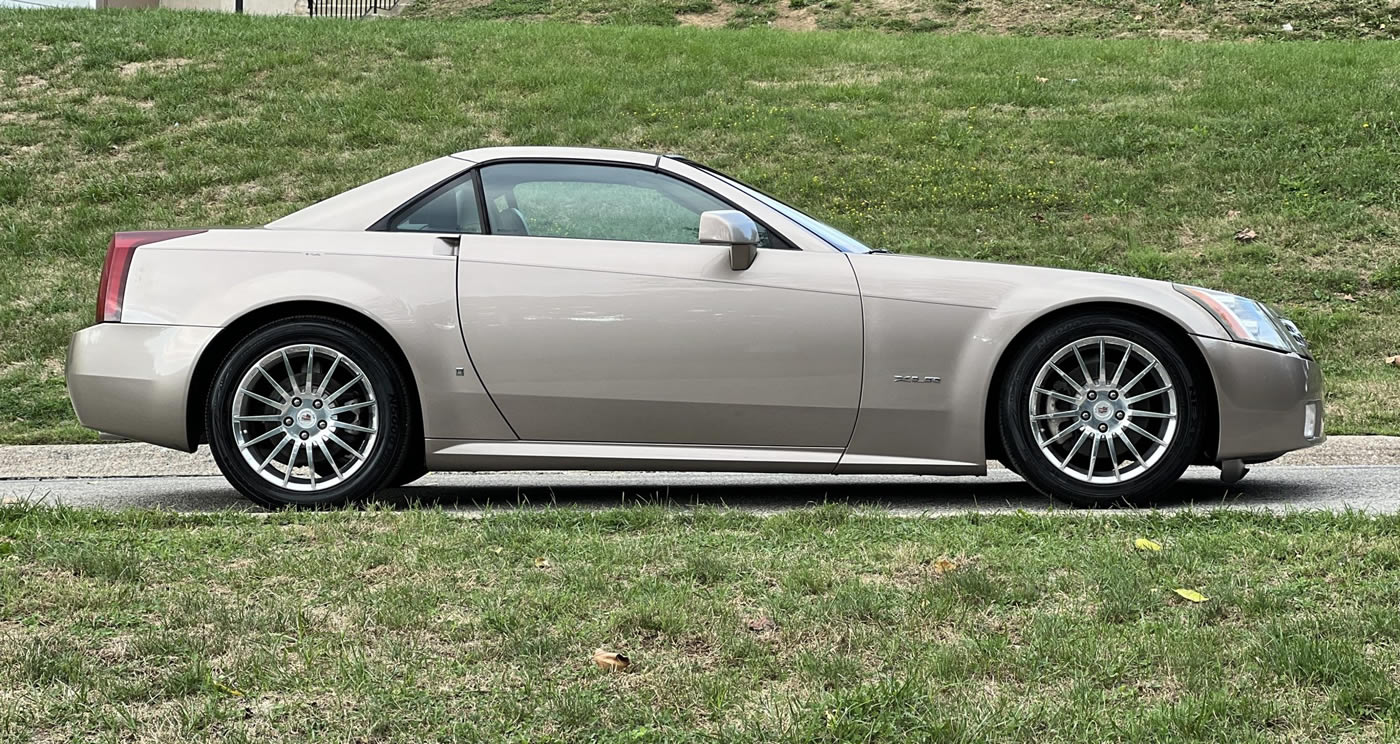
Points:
point(129, 460)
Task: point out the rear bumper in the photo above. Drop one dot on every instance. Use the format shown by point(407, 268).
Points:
point(1263, 397)
point(133, 380)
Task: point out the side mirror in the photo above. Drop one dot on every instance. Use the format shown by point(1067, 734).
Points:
point(734, 229)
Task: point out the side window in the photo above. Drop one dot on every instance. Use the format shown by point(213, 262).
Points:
point(452, 208)
point(596, 202)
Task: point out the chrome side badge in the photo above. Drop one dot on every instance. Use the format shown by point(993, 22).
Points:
point(916, 378)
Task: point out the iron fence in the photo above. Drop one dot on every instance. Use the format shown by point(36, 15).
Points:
point(346, 8)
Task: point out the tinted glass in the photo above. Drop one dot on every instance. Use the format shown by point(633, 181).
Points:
point(595, 202)
point(450, 209)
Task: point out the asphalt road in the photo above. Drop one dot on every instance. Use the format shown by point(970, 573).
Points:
point(1374, 489)
point(1344, 473)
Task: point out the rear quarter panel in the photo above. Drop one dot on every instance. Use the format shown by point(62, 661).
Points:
point(397, 280)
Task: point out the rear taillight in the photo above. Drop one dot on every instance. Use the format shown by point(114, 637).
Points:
point(111, 288)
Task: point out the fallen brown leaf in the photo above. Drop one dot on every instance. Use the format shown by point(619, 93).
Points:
point(1042, 80)
point(1393, 361)
point(1346, 297)
point(943, 565)
point(1232, 214)
point(542, 562)
point(1246, 235)
point(762, 625)
point(610, 660)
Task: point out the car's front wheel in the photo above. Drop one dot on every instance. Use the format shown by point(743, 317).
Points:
point(1100, 409)
point(308, 412)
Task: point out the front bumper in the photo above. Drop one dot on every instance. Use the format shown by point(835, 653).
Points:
point(1263, 397)
point(134, 380)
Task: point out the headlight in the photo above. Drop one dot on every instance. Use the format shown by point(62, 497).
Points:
point(1247, 321)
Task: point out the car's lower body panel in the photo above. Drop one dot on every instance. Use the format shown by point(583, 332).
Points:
point(133, 380)
point(1264, 398)
point(449, 454)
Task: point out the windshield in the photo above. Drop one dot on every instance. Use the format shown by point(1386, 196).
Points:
point(841, 241)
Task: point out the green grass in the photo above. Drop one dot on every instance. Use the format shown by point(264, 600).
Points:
point(1199, 20)
point(823, 624)
point(1130, 156)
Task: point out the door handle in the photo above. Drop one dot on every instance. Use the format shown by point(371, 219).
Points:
point(447, 245)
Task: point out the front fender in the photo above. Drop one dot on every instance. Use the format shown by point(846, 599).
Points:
point(956, 321)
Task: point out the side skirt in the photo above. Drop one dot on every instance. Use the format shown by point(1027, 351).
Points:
point(476, 455)
point(455, 454)
point(882, 464)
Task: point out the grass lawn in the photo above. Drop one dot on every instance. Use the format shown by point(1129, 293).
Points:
point(1132, 156)
point(1198, 20)
point(817, 625)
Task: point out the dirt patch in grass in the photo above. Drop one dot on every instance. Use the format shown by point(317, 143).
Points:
point(30, 83)
point(153, 66)
point(717, 17)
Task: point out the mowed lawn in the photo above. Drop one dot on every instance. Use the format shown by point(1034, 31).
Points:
point(1132, 156)
point(817, 625)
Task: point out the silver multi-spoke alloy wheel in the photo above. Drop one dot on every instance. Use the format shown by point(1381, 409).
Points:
point(305, 417)
point(1103, 410)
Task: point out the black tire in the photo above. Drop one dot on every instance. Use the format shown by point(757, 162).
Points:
point(1021, 439)
point(387, 454)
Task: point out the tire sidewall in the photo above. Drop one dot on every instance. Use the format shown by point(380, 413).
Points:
point(389, 388)
point(1014, 411)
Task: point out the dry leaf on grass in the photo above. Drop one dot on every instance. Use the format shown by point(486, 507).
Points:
point(1246, 235)
point(762, 625)
point(1143, 543)
point(610, 660)
point(1190, 595)
point(1393, 361)
point(943, 565)
point(1041, 80)
point(221, 687)
point(542, 562)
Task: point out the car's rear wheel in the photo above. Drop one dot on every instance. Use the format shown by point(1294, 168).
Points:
point(308, 412)
point(1100, 409)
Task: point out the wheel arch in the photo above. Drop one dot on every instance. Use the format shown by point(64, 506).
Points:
point(224, 341)
point(1181, 338)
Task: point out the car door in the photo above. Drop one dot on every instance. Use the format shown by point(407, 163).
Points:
point(593, 315)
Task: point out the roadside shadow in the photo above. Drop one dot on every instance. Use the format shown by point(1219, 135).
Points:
point(932, 495)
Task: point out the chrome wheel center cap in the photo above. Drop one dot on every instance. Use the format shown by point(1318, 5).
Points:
point(1103, 411)
point(306, 418)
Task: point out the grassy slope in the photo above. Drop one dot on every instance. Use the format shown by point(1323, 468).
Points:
point(1142, 157)
point(419, 627)
point(1198, 20)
